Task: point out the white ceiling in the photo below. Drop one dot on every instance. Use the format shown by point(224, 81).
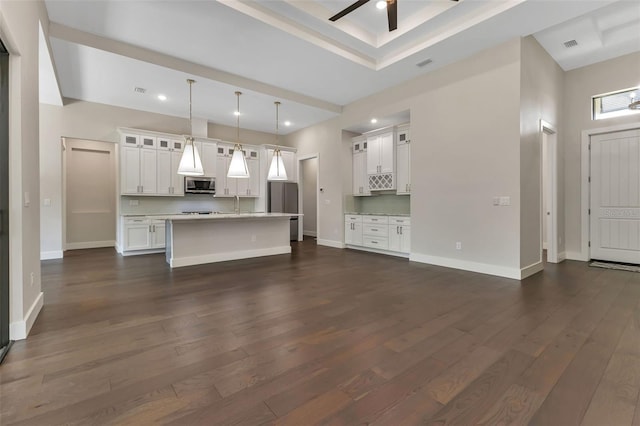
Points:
point(288, 50)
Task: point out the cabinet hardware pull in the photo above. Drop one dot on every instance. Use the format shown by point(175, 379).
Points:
point(374, 229)
point(401, 230)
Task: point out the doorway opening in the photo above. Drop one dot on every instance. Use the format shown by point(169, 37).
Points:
point(549, 192)
point(5, 343)
point(309, 194)
point(89, 194)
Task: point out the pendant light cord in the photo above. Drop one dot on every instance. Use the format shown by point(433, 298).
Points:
point(238, 118)
point(190, 140)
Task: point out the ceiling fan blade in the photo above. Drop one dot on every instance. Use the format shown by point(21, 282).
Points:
point(348, 10)
point(392, 14)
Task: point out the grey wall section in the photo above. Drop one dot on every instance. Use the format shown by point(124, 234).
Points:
point(541, 87)
point(309, 174)
point(580, 85)
point(87, 120)
point(19, 23)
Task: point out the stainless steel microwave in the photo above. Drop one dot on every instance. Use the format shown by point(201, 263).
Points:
point(199, 185)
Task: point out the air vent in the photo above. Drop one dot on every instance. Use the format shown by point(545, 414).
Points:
point(140, 90)
point(570, 43)
point(424, 63)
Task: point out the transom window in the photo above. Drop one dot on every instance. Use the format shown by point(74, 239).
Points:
point(615, 104)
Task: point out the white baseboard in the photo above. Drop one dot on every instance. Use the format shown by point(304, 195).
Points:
point(330, 243)
point(465, 265)
point(562, 256)
point(139, 252)
point(310, 233)
point(575, 255)
point(534, 268)
point(223, 257)
point(19, 330)
point(54, 254)
point(373, 250)
point(90, 244)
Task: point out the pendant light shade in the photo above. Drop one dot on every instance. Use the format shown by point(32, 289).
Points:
point(238, 166)
point(190, 163)
point(277, 170)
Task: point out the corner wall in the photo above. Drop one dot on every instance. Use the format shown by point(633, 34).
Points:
point(540, 99)
point(19, 30)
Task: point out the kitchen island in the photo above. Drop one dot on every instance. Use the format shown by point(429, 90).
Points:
point(198, 239)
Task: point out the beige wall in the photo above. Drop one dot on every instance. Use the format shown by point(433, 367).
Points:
point(540, 99)
point(309, 175)
point(19, 23)
point(87, 120)
point(580, 85)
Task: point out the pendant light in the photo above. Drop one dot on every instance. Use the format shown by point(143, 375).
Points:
point(277, 170)
point(190, 163)
point(238, 166)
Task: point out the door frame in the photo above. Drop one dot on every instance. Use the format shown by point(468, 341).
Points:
point(550, 192)
point(585, 185)
point(300, 195)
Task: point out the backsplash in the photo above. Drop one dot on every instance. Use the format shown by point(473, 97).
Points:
point(169, 205)
point(384, 204)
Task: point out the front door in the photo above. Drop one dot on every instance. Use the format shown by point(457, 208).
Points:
point(615, 196)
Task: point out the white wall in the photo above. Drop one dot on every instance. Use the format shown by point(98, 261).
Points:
point(540, 99)
point(580, 85)
point(87, 120)
point(19, 26)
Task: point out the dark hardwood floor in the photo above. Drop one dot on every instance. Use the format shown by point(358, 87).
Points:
point(324, 336)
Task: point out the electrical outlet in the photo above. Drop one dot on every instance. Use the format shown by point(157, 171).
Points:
point(33, 278)
point(134, 202)
point(47, 202)
point(458, 245)
point(505, 201)
point(496, 201)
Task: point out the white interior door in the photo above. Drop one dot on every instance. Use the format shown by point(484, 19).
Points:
point(90, 194)
point(615, 197)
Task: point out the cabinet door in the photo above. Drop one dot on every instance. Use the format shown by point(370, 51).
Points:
point(148, 171)
point(208, 155)
point(130, 140)
point(357, 234)
point(130, 170)
point(163, 143)
point(395, 238)
point(148, 141)
point(405, 233)
point(348, 233)
point(177, 181)
point(137, 236)
point(387, 152)
point(163, 166)
point(373, 155)
point(360, 177)
point(403, 168)
point(158, 234)
point(254, 179)
point(222, 164)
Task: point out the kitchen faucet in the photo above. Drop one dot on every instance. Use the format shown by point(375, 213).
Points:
point(236, 205)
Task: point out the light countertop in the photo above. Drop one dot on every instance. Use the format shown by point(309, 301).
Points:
point(224, 216)
point(379, 214)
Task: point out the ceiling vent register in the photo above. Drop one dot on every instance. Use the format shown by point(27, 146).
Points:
point(570, 43)
point(381, 182)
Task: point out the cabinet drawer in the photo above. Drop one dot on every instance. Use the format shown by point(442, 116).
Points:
point(136, 221)
point(399, 220)
point(352, 218)
point(376, 230)
point(381, 243)
point(375, 219)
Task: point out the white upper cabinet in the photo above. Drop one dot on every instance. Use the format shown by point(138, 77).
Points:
point(380, 153)
point(208, 152)
point(169, 182)
point(148, 141)
point(230, 187)
point(130, 169)
point(403, 161)
point(148, 171)
point(359, 163)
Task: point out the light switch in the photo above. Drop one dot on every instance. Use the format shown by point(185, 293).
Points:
point(327, 201)
point(47, 201)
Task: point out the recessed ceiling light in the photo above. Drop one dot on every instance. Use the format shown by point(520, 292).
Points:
point(162, 97)
point(139, 89)
point(287, 123)
point(236, 113)
point(381, 4)
point(374, 120)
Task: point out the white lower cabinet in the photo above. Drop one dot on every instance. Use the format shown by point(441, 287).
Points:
point(380, 232)
point(142, 233)
point(353, 230)
point(400, 234)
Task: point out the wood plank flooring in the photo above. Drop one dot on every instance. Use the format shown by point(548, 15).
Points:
point(324, 336)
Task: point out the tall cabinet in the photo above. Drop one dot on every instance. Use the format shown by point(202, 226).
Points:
point(360, 179)
point(403, 160)
point(138, 165)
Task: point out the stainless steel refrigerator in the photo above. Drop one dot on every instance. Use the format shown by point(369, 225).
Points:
point(283, 198)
